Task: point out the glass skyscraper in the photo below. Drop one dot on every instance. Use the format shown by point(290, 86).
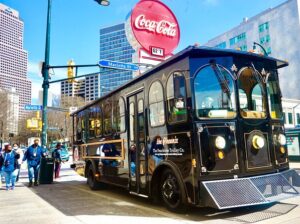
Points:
point(114, 46)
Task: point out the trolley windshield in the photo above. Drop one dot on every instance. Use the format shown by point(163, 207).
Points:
point(214, 92)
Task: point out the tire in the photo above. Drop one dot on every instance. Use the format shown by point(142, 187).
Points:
point(91, 181)
point(172, 192)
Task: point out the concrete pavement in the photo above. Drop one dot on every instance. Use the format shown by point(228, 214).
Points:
point(69, 200)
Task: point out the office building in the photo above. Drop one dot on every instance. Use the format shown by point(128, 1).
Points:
point(114, 46)
point(13, 58)
point(71, 92)
point(277, 30)
point(9, 113)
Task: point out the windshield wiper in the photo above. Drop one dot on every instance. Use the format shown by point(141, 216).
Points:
point(222, 80)
point(258, 79)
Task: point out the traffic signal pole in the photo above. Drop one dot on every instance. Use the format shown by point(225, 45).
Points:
point(45, 72)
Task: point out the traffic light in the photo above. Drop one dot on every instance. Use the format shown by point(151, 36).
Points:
point(71, 71)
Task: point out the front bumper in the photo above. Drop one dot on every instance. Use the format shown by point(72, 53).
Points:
point(231, 193)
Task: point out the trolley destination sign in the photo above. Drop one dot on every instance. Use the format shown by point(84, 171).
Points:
point(118, 65)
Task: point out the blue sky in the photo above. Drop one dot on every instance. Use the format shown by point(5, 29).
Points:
point(75, 25)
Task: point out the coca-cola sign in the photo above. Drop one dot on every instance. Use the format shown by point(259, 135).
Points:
point(154, 26)
point(162, 27)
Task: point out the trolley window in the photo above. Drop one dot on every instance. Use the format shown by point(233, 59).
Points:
point(156, 104)
point(122, 126)
point(176, 98)
point(98, 121)
point(132, 122)
point(274, 97)
point(107, 123)
point(214, 93)
point(92, 122)
point(251, 94)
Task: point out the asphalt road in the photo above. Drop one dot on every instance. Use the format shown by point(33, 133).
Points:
point(73, 198)
point(70, 201)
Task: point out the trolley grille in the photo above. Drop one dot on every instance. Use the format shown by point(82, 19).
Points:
point(253, 190)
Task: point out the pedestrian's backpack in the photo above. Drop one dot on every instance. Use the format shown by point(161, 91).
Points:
point(54, 154)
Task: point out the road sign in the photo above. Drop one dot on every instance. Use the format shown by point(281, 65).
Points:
point(33, 107)
point(53, 128)
point(118, 65)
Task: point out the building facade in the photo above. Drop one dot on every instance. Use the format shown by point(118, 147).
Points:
point(72, 92)
point(9, 113)
point(13, 58)
point(277, 30)
point(114, 46)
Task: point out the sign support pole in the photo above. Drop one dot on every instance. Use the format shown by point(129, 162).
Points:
point(45, 73)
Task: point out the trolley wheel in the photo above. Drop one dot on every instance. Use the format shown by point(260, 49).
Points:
point(91, 181)
point(172, 192)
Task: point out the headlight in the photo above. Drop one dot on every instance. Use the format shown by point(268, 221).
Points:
point(281, 139)
point(258, 142)
point(220, 142)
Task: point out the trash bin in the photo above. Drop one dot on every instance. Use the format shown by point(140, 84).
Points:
point(46, 171)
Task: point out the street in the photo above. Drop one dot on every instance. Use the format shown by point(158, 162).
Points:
point(69, 200)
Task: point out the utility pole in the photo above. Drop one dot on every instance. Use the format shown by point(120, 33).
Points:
point(45, 72)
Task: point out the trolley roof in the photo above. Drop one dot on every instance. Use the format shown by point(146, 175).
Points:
point(192, 51)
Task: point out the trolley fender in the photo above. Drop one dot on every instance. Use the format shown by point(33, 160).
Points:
point(157, 172)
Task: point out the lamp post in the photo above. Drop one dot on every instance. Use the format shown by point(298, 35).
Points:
point(264, 50)
point(45, 70)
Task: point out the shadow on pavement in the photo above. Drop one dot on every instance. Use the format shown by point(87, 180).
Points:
point(74, 198)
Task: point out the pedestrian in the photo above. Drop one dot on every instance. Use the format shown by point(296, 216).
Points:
point(33, 155)
point(19, 161)
point(56, 155)
point(8, 161)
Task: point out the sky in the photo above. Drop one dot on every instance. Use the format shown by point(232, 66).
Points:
point(75, 27)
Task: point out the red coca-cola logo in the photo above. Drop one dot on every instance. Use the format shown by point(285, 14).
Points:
point(155, 26)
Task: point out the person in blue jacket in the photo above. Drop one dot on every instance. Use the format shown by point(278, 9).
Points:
point(33, 155)
point(8, 166)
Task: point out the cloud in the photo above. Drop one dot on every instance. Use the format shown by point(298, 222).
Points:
point(36, 86)
point(34, 68)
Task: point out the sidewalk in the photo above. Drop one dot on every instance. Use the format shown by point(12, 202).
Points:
point(69, 201)
point(23, 205)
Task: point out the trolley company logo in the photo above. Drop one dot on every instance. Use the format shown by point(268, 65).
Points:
point(166, 141)
point(154, 27)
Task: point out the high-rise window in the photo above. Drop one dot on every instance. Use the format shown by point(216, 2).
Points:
point(264, 37)
point(221, 45)
point(263, 27)
point(290, 118)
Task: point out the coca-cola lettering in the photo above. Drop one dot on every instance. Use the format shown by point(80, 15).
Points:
point(162, 27)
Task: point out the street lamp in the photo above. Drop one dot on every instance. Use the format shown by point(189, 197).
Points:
point(264, 50)
point(45, 70)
